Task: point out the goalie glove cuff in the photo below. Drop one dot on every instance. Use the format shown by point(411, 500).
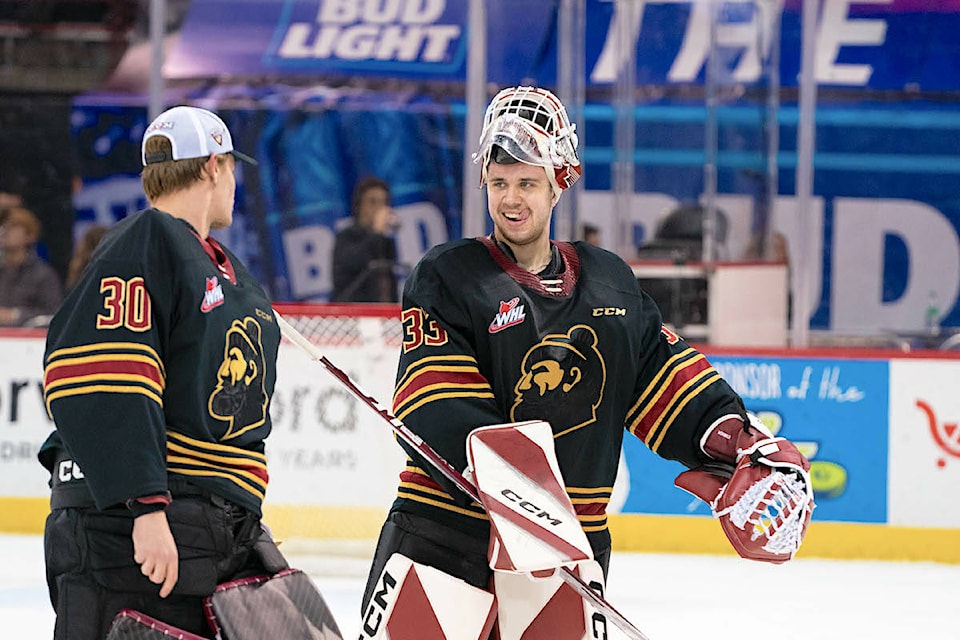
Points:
point(730, 436)
point(721, 438)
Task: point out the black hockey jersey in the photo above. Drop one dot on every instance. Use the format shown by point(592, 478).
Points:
point(162, 361)
point(486, 342)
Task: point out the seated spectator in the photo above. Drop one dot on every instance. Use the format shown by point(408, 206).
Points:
point(30, 290)
point(591, 234)
point(365, 254)
point(83, 251)
point(9, 199)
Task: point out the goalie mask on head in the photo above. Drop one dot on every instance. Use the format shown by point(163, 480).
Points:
point(530, 125)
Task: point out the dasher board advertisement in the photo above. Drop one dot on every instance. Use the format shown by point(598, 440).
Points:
point(834, 410)
point(924, 443)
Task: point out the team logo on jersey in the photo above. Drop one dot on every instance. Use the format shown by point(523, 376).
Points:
point(561, 381)
point(510, 314)
point(240, 396)
point(212, 295)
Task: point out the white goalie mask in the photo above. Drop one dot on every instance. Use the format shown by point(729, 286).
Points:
point(532, 126)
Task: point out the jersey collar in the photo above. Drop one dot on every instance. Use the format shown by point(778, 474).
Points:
point(217, 255)
point(560, 283)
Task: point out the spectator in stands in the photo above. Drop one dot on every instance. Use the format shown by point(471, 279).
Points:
point(365, 254)
point(9, 199)
point(774, 250)
point(83, 251)
point(30, 289)
point(40, 166)
point(591, 235)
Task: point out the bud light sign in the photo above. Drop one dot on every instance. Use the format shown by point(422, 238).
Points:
point(371, 35)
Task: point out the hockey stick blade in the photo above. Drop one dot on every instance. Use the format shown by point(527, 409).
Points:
point(403, 431)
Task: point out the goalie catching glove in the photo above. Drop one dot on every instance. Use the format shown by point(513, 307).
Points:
point(765, 502)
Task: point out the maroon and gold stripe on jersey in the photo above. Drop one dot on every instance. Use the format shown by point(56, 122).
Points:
point(681, 379)
point(590, 505)
point(438, 378)
point(195, 459)
point(106, 367)
point(419, 487)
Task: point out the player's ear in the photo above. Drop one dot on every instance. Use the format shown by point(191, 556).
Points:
point(210, 167)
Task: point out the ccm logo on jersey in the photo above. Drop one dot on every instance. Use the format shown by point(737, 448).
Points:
point(212, 295)
point(609, 311)
point(69, 470)
point(511, 313)
point(529, 507)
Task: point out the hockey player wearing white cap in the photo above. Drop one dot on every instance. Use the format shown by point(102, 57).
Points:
point(159, 369)
point(517, 327)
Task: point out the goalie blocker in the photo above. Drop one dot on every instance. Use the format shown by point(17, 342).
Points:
point(760, 490)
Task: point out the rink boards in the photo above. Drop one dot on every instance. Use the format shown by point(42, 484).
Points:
point(881, 431)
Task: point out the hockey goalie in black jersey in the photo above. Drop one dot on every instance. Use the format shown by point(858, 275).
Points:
point(514, 327)
point(159, 368)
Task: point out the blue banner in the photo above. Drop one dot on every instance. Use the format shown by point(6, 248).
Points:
point(289, 208)
point(836, 411)
point(875, 44)
point(886, 216)
point(885, 251)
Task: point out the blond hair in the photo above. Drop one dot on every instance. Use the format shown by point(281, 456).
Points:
point(163, 178)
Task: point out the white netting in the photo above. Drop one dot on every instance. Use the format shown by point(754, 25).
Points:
point(334, 463)
point(347, 330)
point(774, 507)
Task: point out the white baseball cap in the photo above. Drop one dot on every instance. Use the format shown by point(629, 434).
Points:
point(193, 133)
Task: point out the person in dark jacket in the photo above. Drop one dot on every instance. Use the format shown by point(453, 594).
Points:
point(30, 290)
point(364, 254)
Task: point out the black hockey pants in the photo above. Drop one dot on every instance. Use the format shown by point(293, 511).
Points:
point(91, 574)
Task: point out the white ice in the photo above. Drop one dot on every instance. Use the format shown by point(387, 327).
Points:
point(668, 597)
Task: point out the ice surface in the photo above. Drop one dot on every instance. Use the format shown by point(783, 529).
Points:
point(668, 597)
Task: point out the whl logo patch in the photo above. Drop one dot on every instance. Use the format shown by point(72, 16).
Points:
point(212, 295)
point(511, 313)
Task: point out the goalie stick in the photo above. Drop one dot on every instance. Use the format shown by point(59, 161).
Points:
point(578, 585)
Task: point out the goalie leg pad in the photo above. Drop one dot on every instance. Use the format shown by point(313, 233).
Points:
point(411, 601)
point(433, 544)
point(529, 607)
point(133, 625)
point(285, 605)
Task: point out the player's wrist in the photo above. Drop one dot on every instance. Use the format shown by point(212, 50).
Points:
point(148, 504)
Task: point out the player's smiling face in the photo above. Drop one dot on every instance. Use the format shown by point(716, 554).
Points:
point(519, 197)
